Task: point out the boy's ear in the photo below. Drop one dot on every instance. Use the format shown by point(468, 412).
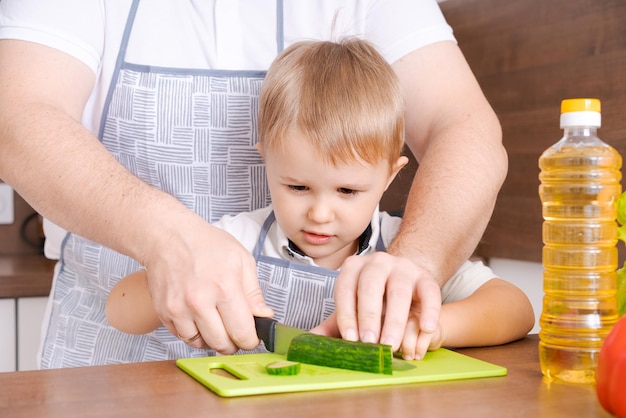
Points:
point(399, 165)
point(259, 148)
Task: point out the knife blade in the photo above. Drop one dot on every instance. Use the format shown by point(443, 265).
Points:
point(275, 335)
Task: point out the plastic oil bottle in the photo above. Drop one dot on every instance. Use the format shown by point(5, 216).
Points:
point(580, 184)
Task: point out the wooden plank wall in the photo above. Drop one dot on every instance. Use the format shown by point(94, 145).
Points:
point(528, 55)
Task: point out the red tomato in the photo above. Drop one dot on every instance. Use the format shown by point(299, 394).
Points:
point(611, 371)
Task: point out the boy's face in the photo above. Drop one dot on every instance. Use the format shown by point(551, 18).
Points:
point(323, 208)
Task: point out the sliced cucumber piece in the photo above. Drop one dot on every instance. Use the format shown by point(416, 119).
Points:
point(341, 354)
point(283, 368)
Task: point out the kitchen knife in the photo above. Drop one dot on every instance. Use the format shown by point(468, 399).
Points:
point(275, 335)
point(277, 338)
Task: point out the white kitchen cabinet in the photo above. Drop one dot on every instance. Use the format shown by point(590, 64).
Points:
point(30, 313)
point(7, 335)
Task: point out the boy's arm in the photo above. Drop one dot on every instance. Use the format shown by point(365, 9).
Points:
point(496, 313)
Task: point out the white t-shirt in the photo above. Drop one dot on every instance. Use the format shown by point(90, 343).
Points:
point(246, 227)
point(216, 34)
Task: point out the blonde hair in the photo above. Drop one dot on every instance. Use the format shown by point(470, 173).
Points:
point(343, 96)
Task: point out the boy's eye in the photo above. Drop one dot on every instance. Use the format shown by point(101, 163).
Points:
point(298, 188)
point(344, 190)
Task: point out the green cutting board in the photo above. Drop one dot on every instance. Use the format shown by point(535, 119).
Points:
point(248, 375)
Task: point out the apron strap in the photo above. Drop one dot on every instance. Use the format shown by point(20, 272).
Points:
point(263, 234)
point(280, 26)
point(118, 65)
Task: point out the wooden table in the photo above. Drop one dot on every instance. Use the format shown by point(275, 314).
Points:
point(160, 389)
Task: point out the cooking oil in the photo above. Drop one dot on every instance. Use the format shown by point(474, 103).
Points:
point(580, 184)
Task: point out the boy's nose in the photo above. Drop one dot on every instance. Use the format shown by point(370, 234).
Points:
point(320, 212)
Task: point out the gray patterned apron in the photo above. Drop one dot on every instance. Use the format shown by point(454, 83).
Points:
point(191, 133)
point(301, 295)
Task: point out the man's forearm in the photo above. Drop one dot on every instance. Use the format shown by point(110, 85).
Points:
point(59, 167)
point(449, 205)
point(68, 176)
point(457, 140)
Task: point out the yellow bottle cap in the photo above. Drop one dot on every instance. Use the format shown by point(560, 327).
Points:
point(580, 105)
point(580, 112)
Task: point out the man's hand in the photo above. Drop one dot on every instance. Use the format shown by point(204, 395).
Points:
point(386, 299)
point(207, 284)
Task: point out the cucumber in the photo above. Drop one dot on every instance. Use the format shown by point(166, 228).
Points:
point(283, 368)
point(341, 354)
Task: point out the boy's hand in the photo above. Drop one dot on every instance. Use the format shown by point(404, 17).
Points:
point(379, 297)
point(415, 343)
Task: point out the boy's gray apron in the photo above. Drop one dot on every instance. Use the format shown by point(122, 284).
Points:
point(300, 294)
point(188, 132)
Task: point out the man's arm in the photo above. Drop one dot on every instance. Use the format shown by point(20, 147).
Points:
point(200, 277)
point(52, 160)
point(457, 140)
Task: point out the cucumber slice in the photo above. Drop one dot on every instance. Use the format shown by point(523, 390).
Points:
point(283, 368)
point(341, 354)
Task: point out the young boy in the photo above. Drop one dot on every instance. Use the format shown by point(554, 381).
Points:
point(331, 131)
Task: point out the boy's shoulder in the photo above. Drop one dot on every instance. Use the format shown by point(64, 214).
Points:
point(389, 226)
point(245, 226)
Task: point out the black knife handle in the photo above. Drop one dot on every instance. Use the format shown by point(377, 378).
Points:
point(266, 332)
